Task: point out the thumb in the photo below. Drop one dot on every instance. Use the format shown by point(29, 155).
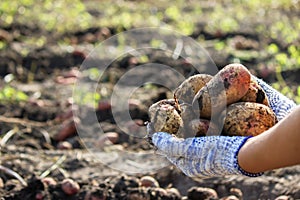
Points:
point(170, 145)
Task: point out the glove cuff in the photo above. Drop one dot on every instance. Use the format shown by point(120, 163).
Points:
point(236, 163)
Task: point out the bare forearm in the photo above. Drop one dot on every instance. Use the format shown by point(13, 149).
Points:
point(278, 147)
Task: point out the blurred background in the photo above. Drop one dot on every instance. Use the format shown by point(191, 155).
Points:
point(262, 35)
point(42, 46)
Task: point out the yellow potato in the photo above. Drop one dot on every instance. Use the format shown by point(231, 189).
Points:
point(187, 89)
point(165, 116)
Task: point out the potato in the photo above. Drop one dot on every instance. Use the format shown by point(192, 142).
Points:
point(165, 116)
point(200, 127)
point(228, 86)
point(187, 113)
point(248, 119)
point(255, 94)
point(187, 89)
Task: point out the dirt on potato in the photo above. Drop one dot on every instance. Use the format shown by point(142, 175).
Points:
point(248, 119)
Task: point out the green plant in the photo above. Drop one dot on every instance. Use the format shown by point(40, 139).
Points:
point(294, 52)
point(219, 45)
point(11, 94)
point(283, 88)
point(56, 16)
point(284, 60)
point(297, 98)
point(83, 96)
point(93, 73)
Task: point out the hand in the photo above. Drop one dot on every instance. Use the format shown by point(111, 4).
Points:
point(214, 155)
point(280, 104)
point(202, 156)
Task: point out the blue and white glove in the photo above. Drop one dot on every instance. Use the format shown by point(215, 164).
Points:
point(214, 156)
point(280, 104)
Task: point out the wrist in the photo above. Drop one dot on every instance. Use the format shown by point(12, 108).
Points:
point(246, 160)
point(228, 148)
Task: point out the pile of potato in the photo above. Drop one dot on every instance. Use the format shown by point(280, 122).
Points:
point(229, 103)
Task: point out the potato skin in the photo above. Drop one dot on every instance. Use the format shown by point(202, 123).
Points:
point(248, 119)
point(231, 83)
point(165, 116)
point(255, 94)
point(200, 127)
point(187, 113)
point(186, 91)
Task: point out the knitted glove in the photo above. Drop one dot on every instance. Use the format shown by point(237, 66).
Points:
point(202, 156)
point(214, 155)
point(280, 104)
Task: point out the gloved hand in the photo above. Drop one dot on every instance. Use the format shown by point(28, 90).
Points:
point(280, 104)
point(215, 155)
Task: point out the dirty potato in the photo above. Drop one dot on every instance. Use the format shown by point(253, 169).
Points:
point(165, 116)
point(255, 94)
point(248, 119)
point(202, 127)
point(228, 86)
point(186, 91)
point(187, 113)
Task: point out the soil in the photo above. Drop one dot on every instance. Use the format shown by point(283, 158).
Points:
point(42, 137)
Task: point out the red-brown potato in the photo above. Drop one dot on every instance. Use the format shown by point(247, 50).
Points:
point(255, 94)
point(228, 86)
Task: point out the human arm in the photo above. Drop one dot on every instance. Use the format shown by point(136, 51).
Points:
point(275, 148)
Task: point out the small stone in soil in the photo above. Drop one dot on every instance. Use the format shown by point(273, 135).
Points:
point(195, 193)
point(70, 187)
point(236, 192)
point(284, 197)
point(64, 145)
point(174, 192)
point(231, 197)
point(107, 139)
point(148, 181)
point(1, 183)
point(49, 181)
